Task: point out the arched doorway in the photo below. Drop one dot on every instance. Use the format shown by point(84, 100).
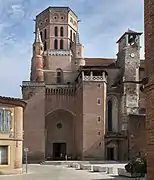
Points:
point(59, 134)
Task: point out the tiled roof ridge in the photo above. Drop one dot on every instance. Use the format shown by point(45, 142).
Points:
point(110, 58)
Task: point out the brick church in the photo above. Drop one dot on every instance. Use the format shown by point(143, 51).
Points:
point(73, 107)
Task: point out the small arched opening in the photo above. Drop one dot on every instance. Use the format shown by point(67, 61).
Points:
point(61, 44)
point(56, 31)
point(59, 76)
point(112, 114)
point(45, 33)
point(55, 44)
point(61, 31)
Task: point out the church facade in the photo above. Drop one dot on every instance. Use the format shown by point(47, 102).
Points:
point(73, 107)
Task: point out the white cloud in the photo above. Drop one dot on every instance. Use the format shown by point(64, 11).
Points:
point(102, 24)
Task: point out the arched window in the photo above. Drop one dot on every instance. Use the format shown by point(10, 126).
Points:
point(61, 31)
point(70, 44)
point(71, 35)
point(74, 37)
point(45, 33)
point(41, 35)
point(56, 44)
point(45, 46)
point(61, 44)
point(33, 48)
point(59, 76)
point(110, 115)
point(56, 31)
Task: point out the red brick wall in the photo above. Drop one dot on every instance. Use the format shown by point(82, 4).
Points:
point(34, 123)
point(149, 65)
point(93, 146)
point(79, 121)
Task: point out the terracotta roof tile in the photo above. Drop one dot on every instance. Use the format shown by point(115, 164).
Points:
point(99, 61)
point(12, 101)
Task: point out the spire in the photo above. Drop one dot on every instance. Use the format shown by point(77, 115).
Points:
point(38, 36)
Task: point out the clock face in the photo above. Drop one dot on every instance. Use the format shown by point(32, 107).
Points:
point(132, 55)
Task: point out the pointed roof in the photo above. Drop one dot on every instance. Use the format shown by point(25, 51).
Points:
point(129, 31)
point(38, 36)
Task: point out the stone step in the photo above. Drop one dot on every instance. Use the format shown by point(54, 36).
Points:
point(96, 168)
point(54, 163)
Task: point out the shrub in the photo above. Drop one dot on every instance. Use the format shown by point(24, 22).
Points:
point(137, 166)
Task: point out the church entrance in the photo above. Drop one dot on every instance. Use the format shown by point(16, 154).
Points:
point(59, 135)
point(59, 151)
point(110, 154)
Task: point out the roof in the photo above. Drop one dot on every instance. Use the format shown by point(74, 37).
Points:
point(107, 62)
point(129, 32)
point(58, 7)
point(99, 61)
point(13, 101)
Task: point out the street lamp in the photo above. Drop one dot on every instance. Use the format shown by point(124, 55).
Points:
point(143, 82)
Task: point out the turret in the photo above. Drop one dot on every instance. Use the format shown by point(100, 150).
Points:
point(78, 52)
point(37, 59)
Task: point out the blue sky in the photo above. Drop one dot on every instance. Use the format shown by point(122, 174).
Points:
point(102, 23)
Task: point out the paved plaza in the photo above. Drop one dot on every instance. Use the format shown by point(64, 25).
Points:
point(49, 172)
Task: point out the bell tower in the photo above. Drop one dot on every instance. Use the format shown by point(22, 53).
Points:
point(128, 58)
point(59, 33)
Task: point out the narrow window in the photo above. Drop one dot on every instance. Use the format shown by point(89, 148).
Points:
point(59, 76)
point(41, 35)
point(70, 44)
point(56, 44)
point(99, 85)
point(5, 121)
point(74, 37)
point(71, 35)
point(98, 101)
point(56, 31)
point(33, 48)
point(110, 115)
point(61, 44)
point(45, 33)
point(61, 31)
point(98, 118)
point(3, 155)
point(45, 46)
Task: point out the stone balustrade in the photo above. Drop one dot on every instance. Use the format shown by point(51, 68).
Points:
point(58, 52)
point(91, 77)
point(32, 84)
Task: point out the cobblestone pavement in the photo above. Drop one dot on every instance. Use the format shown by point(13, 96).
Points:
point(48, 172)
